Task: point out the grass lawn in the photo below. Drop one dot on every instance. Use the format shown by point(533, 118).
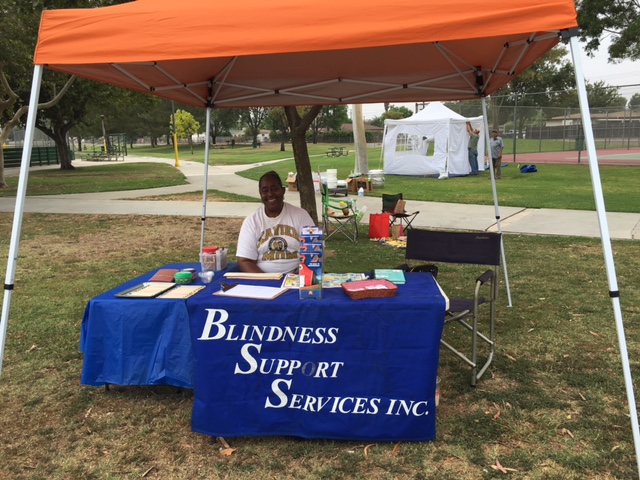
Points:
point(552, 405)
point(104, 178)
point(243, 154)
point(553, 186)
point(239, 155)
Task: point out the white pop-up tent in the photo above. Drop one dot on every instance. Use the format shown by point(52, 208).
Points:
point(241, 54)
point(434, 141)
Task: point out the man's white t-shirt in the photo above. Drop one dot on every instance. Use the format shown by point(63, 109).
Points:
point(273, 242)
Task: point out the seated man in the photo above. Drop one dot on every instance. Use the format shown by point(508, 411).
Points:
point(269, 238)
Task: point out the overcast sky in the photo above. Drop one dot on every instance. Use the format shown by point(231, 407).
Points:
point(596, 69)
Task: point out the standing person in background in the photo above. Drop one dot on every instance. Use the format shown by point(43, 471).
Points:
point(496, 153)
point(473, 148)
point(269, 239)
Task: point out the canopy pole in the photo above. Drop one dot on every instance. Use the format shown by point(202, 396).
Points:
point(614, 293)
point(384, 135)
point(206, 175)
point(19, 208)
point(487, 147)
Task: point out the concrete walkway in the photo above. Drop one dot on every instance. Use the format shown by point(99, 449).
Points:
point(542, 221)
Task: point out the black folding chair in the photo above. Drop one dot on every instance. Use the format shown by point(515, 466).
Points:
point(393, 204)
point(475, 248)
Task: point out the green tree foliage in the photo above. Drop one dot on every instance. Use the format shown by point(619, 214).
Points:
point(620, 19)
point(299, 119)
point(253, 119)
point(186, 126)
point(330, 118)
point(394, 112)
point(277, 122)
point(223, 120)
point(18, 33)
point(634, 101)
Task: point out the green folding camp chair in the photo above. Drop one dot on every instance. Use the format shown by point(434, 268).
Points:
point(339, 216)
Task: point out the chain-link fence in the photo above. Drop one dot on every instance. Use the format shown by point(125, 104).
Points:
point(558, 129)
point(16, 139)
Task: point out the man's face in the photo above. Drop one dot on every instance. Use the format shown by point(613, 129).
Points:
point(272, 196)
point(494, 134)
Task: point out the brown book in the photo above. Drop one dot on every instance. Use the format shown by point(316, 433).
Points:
point(164, 275)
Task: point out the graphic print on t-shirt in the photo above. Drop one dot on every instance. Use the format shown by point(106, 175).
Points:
point(277, 243)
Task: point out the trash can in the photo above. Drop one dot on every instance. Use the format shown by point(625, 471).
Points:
point(579, 143)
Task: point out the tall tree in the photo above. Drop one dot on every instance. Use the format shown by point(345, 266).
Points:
point(13, 120)
point(331, 117)
point(543, 84)
point(18, 33)
point(253, 118)
point(299, 124)
point(186, 126)
point(56, 122)
point(394, 112)
point(223, 120)
point(620, 19)
point(277, 121)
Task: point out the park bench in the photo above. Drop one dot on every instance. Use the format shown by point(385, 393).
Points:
point(337, 152)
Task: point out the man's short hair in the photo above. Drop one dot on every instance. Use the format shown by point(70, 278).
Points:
point(271, 174)
point(494, 131)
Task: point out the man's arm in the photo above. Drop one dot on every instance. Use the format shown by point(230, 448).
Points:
point(248, 265)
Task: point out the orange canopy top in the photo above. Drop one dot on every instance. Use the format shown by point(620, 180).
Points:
point(298, 52)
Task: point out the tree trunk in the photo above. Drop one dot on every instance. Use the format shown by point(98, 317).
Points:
point(282, 145)
point(11, 124)
point(59, 137)
point(360, 140)
point(3, 183)
point(299, 127)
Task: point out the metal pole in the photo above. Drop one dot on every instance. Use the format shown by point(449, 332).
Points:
point(614, 293)
point(495, 197)
point(104, 136)
point(515, 127)
point(175, 135)
point(19, 208)
point(205, 186)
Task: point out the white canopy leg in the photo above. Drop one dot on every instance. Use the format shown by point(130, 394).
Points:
point(206, 176)
point(495, 197)
point(19, 209)
point(606, 238)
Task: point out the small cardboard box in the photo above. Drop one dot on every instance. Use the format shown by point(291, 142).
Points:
point(311, 262)
point(292, 182)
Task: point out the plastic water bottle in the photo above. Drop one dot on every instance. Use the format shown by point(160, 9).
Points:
point(361, 192)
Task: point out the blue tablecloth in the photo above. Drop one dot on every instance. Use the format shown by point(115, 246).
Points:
point(129, 341)
point(331, 368)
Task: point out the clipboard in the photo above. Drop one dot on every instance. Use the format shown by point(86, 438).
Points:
point(181, 291)
point(146, 290)
point(252, 291)
point(253, 276)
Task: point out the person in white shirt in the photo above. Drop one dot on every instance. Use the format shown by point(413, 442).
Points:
point(269, 239)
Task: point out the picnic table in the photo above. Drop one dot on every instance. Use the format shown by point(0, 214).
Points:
point(337, 152)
